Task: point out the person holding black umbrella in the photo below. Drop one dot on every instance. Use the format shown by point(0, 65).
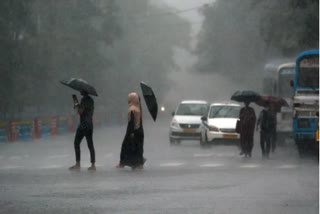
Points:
point(247, 124)
point(132, 146)
point(85, 129)
point(247, 121)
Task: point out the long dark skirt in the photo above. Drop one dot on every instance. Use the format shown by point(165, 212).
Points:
point(246, 141)
point(132, 149)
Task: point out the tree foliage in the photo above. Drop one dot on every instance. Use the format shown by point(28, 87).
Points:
point(238, 36)
point(112, 44)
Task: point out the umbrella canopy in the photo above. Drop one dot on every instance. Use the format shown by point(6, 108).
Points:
point(80, 85)
point(150, 100)
point(275, 102)
point(245, 96)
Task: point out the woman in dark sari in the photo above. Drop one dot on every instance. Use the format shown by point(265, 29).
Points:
point(132, 145)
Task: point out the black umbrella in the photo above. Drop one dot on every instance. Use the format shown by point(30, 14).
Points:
point(245, 96)
point(150, 100)
point(80, 85)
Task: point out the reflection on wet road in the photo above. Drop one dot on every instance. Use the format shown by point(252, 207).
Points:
point(177, 179)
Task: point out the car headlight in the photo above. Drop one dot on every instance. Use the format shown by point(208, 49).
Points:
point(213, 128)
point(174, 124)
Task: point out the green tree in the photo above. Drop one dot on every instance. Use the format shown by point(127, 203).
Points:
point(15, 28)
point(112, 44)
point(239, 36)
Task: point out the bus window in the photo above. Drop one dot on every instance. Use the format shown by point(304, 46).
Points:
point(284, 88)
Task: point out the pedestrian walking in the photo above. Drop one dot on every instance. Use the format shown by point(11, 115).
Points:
point(85, 129)
point(132, 146)
point(247, 124)
point(267, 123)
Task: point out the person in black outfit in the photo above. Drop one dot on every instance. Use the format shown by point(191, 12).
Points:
point(247, 118)
point(85, 129)
point(267, 122)
point(132, 146)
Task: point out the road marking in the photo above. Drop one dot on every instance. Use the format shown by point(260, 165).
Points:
point(50, 167)
point(287, 166)
point(250, 166)
point(11, 167)
point(15, 158)
point(110, 155)
point(171, 164)
point(225, 155)
point(88, 165)
point(211, 165)
point(58, 156)
point(202, 155)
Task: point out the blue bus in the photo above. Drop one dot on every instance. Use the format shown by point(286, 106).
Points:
point(306, 101)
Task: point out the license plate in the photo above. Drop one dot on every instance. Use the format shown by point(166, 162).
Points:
point(189, 130)
point(229, 136)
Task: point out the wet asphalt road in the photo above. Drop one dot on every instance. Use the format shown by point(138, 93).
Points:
point(177, 179)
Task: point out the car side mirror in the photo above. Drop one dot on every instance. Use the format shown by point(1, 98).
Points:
point(204, 118)
point(172, 114)
point(291, 83)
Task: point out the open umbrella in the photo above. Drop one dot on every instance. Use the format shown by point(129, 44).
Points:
point(80, 85)
point(275, 102)
point(245, 96)
point(150, 100)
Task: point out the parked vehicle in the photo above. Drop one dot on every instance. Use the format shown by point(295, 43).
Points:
point(186, 120)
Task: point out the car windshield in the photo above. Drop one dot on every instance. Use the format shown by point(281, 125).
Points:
point(192, 109)
point(224, 112)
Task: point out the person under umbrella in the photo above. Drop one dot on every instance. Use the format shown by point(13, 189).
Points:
point(85, 129)
point(247, 118)
point(273, 105)
point(132, 146)
point(247, 121)
point(267, 122)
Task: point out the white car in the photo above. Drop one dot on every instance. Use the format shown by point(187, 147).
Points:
point(220, 123)
point(186, 120)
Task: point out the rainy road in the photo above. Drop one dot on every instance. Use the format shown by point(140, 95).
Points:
point(177, 179)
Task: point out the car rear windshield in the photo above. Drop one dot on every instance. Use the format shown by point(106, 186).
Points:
point(224, 112)
point(192, 109)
